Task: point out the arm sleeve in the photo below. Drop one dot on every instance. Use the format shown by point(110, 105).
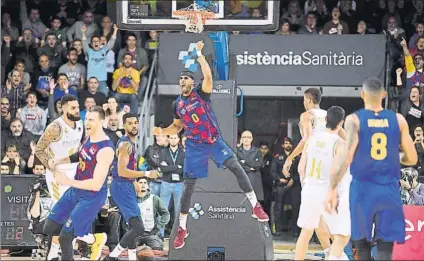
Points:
point(74, 157)
point(174, 110)
point(204, 95)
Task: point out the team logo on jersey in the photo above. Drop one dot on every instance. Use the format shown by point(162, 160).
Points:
point(183, 111)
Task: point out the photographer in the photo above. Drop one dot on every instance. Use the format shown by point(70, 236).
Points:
point(412, 190)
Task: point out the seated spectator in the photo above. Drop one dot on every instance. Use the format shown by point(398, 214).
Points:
point(20, 67)
point(335, 26)
point(154, 215)
point(419, 146)
point(412, 190)
point(26, 49)
point(77, 44)
point(42, 76)
point(61, 87)
point(294, 15)
point(112, 108)
point(88, 104)
point(7, 27)
point(6, 116)
point(126, 82)
point(33, 117)
point(419, 32)
point(38, 169)
point(412, 109)
point(13, 90)
point(76, 72)
point(18, 137)
point(284, 28)
point(5, 170)
point(112, 129)
point(97, 54)
point(361, 28)
point(56, 24)
point(310, 26)
point(414, 68)
point(54, 50)
point(15, 162)
point(92, 90)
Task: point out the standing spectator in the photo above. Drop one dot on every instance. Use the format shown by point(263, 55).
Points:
point(267, 180)
point(32, 22)
point(152, 158)
point(6, 56)
point(391, 12)
point(126, 82)
point(394, 36)
point(76, 72)
point(321, 12)
point(67, 11)
point(90, 26)
point(14, 161)
point(106, 30)
point(112, 129)
point(77, 44)
point(96, 54)
point(14, 92)
point(294, 15)
point(54, 50)
point(61, 87)
point(42, 76)
point(419, 146)
point(310, 26)
point(7, 27)
point(419, 32)
point(26, 49)
point(335, 26)
point(412, 109)
point(88, 104)
point(33, 117)
point(348, 14)
point(112, 108)
point(251, 160)
point(56, 24)
point(414, 68)
point(154, 215)
point(91, 91)
point(18, 137)
point(6, 116)
point(20, 67)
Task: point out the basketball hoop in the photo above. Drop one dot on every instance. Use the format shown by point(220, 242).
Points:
point(195, 17)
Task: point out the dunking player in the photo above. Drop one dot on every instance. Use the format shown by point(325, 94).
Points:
point(61, 139)
point(123, 190)
point(372, 151)
point(76, 210)
point(193, 112)
point(314, 169)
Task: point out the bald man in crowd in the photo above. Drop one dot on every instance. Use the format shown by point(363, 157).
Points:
point(251, 160)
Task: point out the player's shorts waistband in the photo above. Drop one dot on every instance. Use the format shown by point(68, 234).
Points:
point(123, 180)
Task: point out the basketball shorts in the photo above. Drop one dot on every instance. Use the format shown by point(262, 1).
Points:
point(55, 190)
point(124, 195)
point(77, 209)
point(197, 157)
point(379, 205)
point(313, 196)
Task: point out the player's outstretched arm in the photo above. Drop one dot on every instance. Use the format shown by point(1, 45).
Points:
point(123, 153)
point(206, 69)
point(345, 150)
point(409, 156)
point(51, 134)
point(174, 128)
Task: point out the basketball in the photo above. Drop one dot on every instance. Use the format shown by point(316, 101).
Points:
point(145, 253)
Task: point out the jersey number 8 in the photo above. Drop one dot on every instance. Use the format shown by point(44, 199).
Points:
point(378, 146)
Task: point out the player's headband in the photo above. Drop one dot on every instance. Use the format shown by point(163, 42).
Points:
point(188, 74)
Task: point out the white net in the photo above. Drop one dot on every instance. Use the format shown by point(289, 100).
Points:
point(194, 16)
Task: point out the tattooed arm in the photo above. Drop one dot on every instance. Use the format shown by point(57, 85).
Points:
point(344, 154)
point(51, 134)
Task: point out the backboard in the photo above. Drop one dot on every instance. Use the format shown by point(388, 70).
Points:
point(231, 15)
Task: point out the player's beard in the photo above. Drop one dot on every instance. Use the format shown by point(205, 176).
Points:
point(72, 117)
point(132, 134)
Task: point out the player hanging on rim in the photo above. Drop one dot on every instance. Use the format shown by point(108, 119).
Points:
point(372, 151)
point(123, 190)
point(192, 112)
point(314, 170)
point(61, 139)
point(72, 216)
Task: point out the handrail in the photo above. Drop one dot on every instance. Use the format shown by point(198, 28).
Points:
point(238, 114)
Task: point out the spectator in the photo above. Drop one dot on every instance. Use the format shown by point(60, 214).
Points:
point(77, 44)
point(335, 26)
point(154, 215)
point(391, 12)
point(153, 42)
point(394, 35)
point(417, 15)
point(294, 15)
point(284, 28)
point(14, 161)
point(106, 30)
point(32, 22)
point(54, 50)
point(413, 190)
point(414, 68)
point(14, 92)
point(92, 91)
point(348, 13)
point(310, 26)
point(267, 180)
point(90, 26)
point(97, 54)
point(39, 169)
point(75, 72)
point(56, 24)
point(152, 158)
point(126, 82)
point(33, 117)
point(419, 47)
point(20, 67)
point(112, 129)
point(112, 108)
point(5, 170)
point(31, 159)
point(419, 146)
point(412, 109)
point(61, 87)
point(26, 49)
point(18, 137)
point(5, 114)
point(321, 13)
point(67, 11)
point(88, 104)
point(361, 28)
point(54, 106)
point(251, 160)
point(42, 76)
point(419, 33)
point(6, 56)
point(7, 27)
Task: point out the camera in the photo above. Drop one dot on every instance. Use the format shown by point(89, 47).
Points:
point(407, 175)
point(39, 184)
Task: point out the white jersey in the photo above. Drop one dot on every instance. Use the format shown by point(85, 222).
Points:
point(320, 154)
point(318, 120)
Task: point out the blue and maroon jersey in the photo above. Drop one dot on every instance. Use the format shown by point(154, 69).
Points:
point(88, 158)
point(132, 164)
point(198, 119)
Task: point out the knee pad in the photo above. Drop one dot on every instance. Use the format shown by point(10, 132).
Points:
point(52, 228)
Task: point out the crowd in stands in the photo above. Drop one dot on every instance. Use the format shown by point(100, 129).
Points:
point(53, 48)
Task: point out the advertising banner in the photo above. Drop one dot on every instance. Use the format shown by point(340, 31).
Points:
point(413, 249)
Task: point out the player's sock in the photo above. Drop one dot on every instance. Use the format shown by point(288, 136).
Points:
point(54, 251)
point(89, 239)
point(117, 251)
point(326, 253)
point(252, 198)
point(183, 221)
point(132, 254)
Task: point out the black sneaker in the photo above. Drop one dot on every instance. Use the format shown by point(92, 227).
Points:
point(109, 258)
point(84, 249)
